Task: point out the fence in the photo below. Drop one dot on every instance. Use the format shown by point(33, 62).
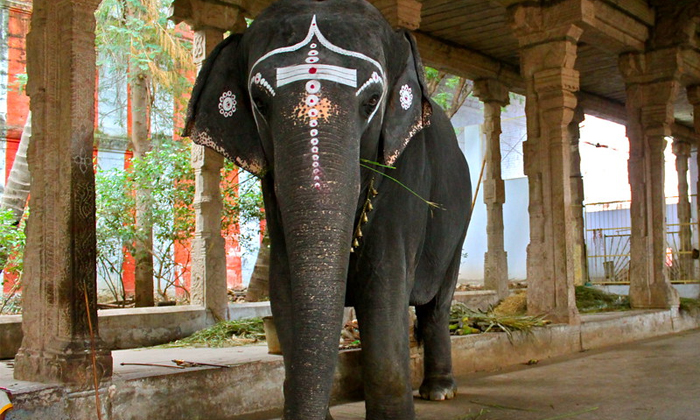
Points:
point(608, 244)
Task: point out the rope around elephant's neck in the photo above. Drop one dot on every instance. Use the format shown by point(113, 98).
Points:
point(366, 208)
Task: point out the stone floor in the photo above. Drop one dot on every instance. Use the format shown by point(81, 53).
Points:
point(657, 379)
point(653, 379)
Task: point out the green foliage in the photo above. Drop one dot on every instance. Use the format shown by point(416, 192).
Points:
point(167, 174)
point(448, 91)
point(136, 35)
point(224, 334)
point(20, 84)
point(12, 242)
point(464, 321)
point(134, 38)
point(691, 306)
point(243, 203)
point(589, 300)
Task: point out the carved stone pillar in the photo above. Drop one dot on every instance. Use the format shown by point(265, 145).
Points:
point(494, 95)
point(682, 151)
point(580, 264)
point(60, 313)
point(548, 54)
point(694, 99)
point(652, 87)
point(209, 21)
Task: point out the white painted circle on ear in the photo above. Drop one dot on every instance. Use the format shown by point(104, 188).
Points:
point(314, 133)
point(316, 164)
point(314, 142)
point(313, 86)
point(314, 149)
point(313, 113)
point(227, 104)
point(406, 97)
point(313, 53)
point(313, 45)
point(313, 123)
point(312, 60)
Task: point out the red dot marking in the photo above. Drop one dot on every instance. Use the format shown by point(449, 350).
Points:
point(312, 70)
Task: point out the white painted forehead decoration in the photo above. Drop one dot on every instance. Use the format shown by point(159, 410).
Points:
point(313, 71)
point(337, 74)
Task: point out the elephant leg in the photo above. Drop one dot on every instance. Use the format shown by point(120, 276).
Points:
point(434, 330)
point(383, 322)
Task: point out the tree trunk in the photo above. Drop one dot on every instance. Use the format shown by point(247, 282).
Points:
point(17, 188)
point(259, 288)
point(143, 246)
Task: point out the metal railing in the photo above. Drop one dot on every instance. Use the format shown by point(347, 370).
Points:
point(608, 246)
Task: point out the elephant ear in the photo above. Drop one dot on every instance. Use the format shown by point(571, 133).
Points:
point(219, 115)
point(408, 108)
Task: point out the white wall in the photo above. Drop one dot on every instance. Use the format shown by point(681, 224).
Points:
point(515, 218)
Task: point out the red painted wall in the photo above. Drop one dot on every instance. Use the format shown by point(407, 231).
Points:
point(17, 101)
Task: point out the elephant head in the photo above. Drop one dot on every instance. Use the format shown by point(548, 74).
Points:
point(308, 91)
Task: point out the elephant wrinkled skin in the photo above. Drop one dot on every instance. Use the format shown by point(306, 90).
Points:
point(326, 104)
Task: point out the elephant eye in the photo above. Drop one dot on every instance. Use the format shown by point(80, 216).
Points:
point(371, 104)
point(260, 105)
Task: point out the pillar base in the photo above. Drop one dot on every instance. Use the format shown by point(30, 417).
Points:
point(66, 362)
point(654, 296)
point(496, 273)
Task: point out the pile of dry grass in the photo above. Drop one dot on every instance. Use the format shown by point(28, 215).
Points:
point(515, 304)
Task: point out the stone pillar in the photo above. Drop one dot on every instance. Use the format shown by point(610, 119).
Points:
point(580, 262)
point(694, 99)
point(652, 87)
point(681, 150)
point(209, 21)
point(548, 54)
point(494, 95)
point(61, 338)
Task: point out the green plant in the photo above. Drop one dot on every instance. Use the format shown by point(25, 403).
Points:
point(590, 300)
point(466, 321)
point(224, 334)
point(690, 305)
point(166, 172)
point(448, 91)
point(243, 204)
point(12, 243)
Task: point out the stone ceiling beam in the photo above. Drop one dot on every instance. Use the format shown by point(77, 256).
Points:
point(609, 25)
point(400, 13)
point(467, 63)
point(686, 134)
point(603, 108)
point(690, 66)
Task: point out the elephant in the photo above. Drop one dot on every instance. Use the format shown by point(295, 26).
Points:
point(367, 193)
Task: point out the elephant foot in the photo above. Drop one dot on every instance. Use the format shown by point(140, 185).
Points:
point(438, 389)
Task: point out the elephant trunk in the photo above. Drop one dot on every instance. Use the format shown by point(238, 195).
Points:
point(317, 204)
